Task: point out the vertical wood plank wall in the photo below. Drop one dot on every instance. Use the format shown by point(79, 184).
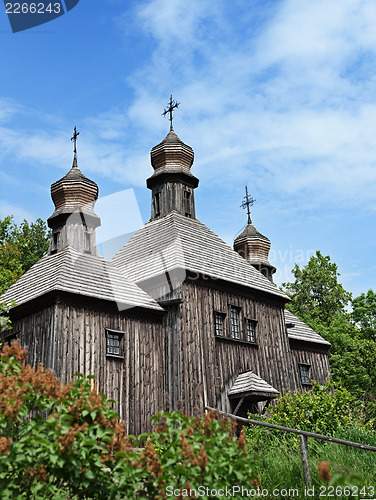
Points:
point(318, 361)
point(174, 362)
point(210, 366)
point(70, 339)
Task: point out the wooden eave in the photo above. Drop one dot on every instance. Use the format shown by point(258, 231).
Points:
point(90, 303)
point(306, 345)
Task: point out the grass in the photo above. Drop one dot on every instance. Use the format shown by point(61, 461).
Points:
point(279, 465)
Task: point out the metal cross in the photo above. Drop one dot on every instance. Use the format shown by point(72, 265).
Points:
point(74, 138)
point(172, 105)
point(248, 201)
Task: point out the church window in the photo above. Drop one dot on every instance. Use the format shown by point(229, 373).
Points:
point(235, 325)
point(219, 317)
point(157, 204)
point(114, 343)
point(187, 203)
point(304, 374)
point(55, 241)
point(251, 330)
point(87, 241)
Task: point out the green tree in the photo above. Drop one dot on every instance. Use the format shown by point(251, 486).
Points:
point(20, 248)
point(352, 357)
point(364, 314)
point(316, 293)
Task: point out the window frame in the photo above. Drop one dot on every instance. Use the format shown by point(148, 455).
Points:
point(304, 377)
point(219, 315)
point(120, 346)
point(55, 241)
point(187, 203)
point(252, 339)
point(157, 204)
point(87, 242)
point(235, 328)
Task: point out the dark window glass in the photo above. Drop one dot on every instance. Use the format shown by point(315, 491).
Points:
point(55, 239)
point(218, 324)
point(187, 202)
point(113, 343)
point(235, 330)
point(157, 204)
point(304, 377)
point(251, 330)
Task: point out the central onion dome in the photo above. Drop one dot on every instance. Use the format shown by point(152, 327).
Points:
point(172, 182)
point(172, 154)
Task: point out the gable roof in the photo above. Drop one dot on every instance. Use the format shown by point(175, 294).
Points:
point(82, 274)
point(250, 383)
point(176, 242)
point(300, 331)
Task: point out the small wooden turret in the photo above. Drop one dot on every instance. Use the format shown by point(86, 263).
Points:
point(253, 246)
point(74, 221)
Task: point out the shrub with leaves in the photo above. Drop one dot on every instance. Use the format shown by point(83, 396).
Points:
point(54, 439)
point(65, 441)
point(185, 453)
point(5, 323)
point(323, 410)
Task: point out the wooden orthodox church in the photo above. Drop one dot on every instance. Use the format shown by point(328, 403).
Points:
point(177, 319)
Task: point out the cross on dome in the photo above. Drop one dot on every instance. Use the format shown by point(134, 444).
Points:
point(172, 105)
point(74, 138)
point(248, 202)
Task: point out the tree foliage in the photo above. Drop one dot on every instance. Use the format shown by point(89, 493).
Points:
point(364, 314)
point(316, 293)
point(320, 301)
point(65, 441)
point(20, 248)
point(5, 323)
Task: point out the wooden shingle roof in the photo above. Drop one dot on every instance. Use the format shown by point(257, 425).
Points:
point(78, 273)
point(177, 242)
point(298, 330)
point(249, 383)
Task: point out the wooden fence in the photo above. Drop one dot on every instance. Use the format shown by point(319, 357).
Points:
point(303, 439)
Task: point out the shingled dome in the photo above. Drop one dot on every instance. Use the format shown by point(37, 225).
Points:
point(172, 154)
point(74, 192)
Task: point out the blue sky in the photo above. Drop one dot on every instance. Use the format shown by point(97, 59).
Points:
point(278, 95)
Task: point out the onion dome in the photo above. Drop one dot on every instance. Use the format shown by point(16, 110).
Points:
point(172, 156)
point(74, 193)
point(255, 247)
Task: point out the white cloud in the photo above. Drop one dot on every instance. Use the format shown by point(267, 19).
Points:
point(19, 214)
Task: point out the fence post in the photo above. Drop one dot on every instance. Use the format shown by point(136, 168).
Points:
point(305, 459)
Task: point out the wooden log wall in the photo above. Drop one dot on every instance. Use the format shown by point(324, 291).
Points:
point(209, 366)
point(71, 339)
point(316, 359)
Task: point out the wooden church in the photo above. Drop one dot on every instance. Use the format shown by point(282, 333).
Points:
point(176, 320)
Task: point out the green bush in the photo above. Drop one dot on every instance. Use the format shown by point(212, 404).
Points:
point(323, 410)
point(65, 441)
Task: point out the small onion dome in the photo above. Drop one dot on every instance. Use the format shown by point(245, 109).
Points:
point(253, 245)
point(74, 193)
point(251, 232)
